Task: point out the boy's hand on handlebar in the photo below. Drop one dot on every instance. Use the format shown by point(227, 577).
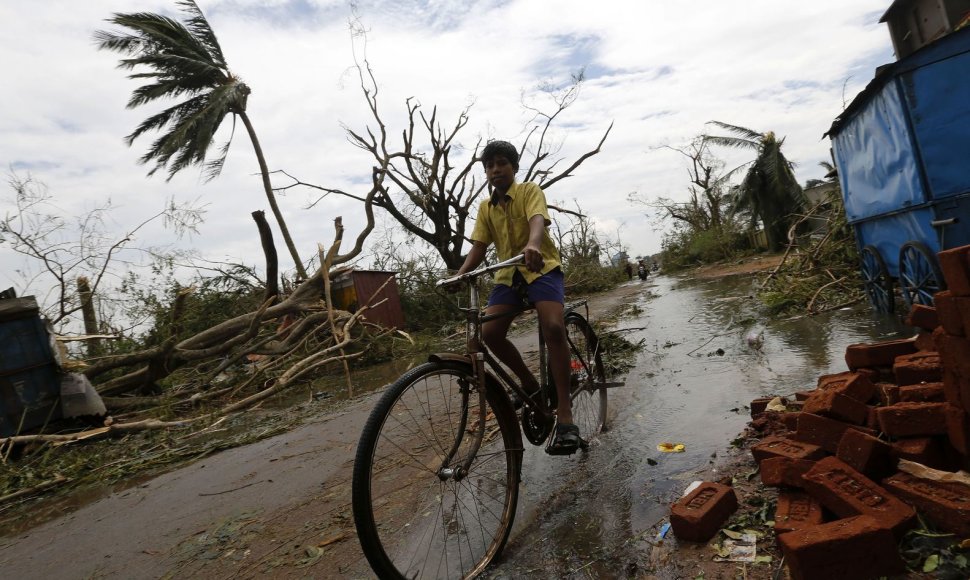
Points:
point(533, 259)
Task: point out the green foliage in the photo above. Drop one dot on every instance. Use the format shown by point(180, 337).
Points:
point(936, 554)
point(769, 189)
point(588, 276)
point(684, 248)
point(822, 272)
point(185, 60)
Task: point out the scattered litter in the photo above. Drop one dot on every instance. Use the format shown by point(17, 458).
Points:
point(663, 531)
point(776, 404)
point(651, 461)
point(921, 471)
point(755, 339)
point(666, 447)
point(738, 547)
point(693, 485)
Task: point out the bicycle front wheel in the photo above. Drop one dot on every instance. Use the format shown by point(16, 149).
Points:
point(587, 376)
point(415, 517)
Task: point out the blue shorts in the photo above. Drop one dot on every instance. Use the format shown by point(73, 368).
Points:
point(551, 287)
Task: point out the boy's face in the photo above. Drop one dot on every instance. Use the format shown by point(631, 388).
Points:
point(500, 173)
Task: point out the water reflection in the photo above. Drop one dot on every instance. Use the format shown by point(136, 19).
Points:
point(689, 385)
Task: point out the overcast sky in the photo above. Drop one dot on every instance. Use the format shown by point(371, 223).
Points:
point(658, 69)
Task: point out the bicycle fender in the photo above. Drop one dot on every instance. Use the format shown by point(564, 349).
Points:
point(449, 357)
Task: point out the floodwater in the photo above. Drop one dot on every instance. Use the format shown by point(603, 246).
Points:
point(587, 516)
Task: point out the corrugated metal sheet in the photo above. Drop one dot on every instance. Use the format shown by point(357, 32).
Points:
point(358, 287)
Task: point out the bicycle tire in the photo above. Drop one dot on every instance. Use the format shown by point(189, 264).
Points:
point(411, 522)
point(589, 401)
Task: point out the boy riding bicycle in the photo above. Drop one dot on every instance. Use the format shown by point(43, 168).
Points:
point(515, 218)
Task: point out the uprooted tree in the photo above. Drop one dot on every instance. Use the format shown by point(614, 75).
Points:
point(431, 184)
point(294, 334)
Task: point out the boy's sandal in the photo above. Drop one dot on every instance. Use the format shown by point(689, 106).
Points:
point(565, 440)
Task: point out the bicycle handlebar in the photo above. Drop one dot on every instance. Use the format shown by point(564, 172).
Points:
point(483, 270)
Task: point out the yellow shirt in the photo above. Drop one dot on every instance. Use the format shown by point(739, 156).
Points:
point(508, 229)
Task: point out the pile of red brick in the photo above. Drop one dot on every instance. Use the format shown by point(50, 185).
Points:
point(843, 504)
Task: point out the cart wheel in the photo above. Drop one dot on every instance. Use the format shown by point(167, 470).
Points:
point(919, 274)
point(878, 284)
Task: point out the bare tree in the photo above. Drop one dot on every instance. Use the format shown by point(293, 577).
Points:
point(708, 194)
point(66, 249)
point(431, 183)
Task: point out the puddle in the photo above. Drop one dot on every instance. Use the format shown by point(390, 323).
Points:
point(689, 385)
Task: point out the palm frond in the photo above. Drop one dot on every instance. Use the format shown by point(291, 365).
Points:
point(736, 142)
point(201, 30)
point(743, 132)
point(179, 60)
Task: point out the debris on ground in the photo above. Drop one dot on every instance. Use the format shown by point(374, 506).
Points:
point(871, 467)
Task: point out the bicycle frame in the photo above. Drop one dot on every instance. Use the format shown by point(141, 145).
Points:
point(476, 350)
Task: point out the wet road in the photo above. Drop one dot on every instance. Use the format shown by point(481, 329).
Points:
point(280, 507)
point(590, 516)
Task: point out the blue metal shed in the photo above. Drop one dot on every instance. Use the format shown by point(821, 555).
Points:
point(901, 148)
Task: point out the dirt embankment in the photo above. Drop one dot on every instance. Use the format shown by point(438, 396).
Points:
point(749, 265)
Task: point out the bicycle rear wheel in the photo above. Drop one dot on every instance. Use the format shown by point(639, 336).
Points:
point(589, 398)
point(415, 518)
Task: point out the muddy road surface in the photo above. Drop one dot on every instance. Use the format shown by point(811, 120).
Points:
point(281, 507)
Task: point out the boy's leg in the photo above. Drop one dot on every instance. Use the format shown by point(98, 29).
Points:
point(554, 332)
point(494, 333)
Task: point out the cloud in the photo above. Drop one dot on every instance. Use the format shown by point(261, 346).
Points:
point(658, 70)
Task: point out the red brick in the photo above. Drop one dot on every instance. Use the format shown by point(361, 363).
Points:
point(848, 493)
point(952, 387)
point(912, 419)
point(784, 447)
point(923, 450)
point(824, 380)
point(701, 513)
point(958, 428)
point(759, 405)
point(866, 454)
point(779, 471)
point(955, 264)
point(955, 354)
point(857, 385)
point(923, 393)
point(946, 504)
point(831, 403)
point(881, 354)
point(923, 317)
point(963, 306)
point(949, 313)
point(924, 341)
point(888, 393)
point(803, 395)
point(791, 420)
point(822, 431)
point(916, 368)
point(796, 511)
point(872, 419)
point(846, 549)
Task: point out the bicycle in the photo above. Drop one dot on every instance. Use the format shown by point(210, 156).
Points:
point(436, 474)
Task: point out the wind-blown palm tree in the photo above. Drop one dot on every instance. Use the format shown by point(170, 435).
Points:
point(769, 189)
point(184, 60)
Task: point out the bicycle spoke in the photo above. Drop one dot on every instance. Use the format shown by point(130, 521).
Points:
point(431, 523)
